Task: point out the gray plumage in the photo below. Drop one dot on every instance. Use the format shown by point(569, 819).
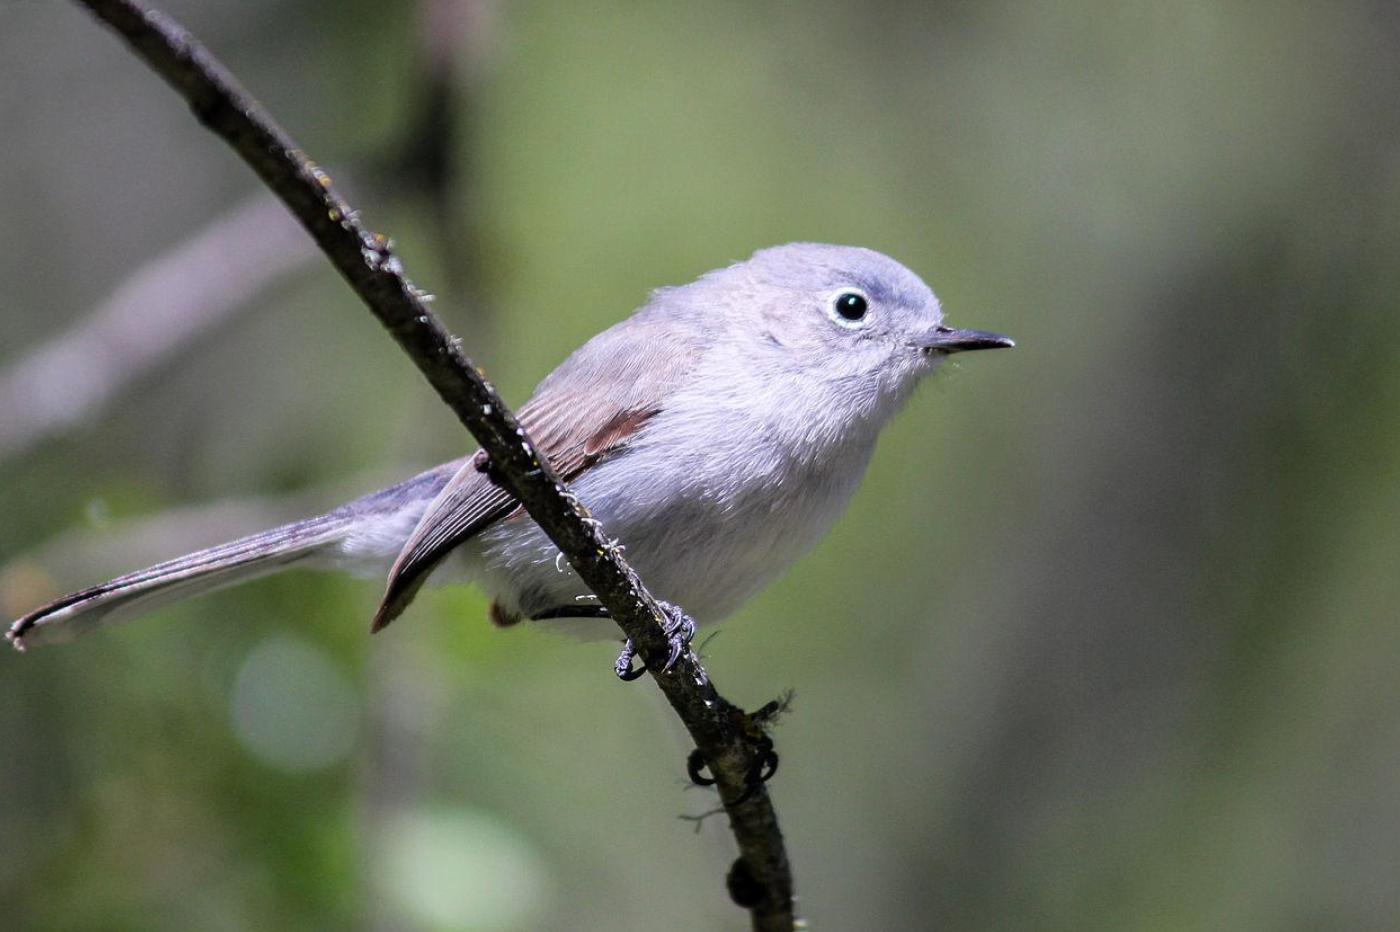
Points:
point(717, 433)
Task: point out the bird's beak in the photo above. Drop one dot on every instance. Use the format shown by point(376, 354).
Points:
point(948, 340)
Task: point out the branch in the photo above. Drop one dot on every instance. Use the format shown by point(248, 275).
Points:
point(761, 879)
point(159, 310)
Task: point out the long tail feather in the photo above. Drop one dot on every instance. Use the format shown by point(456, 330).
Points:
point(362, 535)
point(190, 575)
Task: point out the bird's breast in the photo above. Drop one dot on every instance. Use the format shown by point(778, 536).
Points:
point(709, 510)
point(708, 526)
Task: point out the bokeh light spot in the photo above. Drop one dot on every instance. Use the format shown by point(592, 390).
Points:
point(292, 708)
point(463, 869)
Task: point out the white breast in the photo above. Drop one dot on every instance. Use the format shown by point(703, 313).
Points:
point(710, 508)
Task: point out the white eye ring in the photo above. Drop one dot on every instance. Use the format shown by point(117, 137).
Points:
point(849, 308)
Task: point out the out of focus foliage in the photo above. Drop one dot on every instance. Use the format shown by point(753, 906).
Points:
point(1107, 640)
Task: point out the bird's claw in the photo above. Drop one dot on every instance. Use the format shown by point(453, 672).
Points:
point(623, 665)
point(679, 630)
point(761, 768)
point(695, 764)
point(679, 633)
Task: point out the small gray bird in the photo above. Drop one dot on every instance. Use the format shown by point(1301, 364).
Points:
point(716, 433)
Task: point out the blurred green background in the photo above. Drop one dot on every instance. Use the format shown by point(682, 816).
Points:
point(1107, 640)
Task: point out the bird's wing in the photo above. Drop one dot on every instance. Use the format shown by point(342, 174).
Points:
point(585, 411)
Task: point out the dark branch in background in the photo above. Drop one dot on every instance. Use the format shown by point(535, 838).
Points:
point(761, 879)
point(178, 298)
point(436, 158)
point(428, 162)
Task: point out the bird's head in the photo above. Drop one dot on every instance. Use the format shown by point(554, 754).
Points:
point(852, 319)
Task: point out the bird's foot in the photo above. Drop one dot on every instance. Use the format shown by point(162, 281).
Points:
point(761, 768)
point(623, 665)
point(572, 611)
point(680, 631)
point(763, 762)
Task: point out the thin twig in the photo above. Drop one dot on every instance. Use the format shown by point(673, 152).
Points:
point(159, 310)
point(761, 879)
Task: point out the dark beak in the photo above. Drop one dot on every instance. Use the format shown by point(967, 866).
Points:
point(949, 340)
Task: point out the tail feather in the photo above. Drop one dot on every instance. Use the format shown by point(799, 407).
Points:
point(193, 574)
point(364, 534)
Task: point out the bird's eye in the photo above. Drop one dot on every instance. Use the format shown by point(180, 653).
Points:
point(850, 307)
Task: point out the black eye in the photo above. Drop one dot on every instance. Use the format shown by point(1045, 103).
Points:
point(851, 306)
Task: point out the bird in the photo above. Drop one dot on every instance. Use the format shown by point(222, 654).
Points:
point(717, 434)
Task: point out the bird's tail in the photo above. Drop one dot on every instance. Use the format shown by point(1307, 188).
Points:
point(362, 535)
point(190, 575)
